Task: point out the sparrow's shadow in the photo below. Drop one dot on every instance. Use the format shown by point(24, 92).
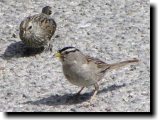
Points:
point(69, 99)
point(18, 49)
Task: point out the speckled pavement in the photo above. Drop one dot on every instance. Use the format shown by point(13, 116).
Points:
point(111, 30)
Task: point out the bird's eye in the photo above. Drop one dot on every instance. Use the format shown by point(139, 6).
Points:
point(66, 53)
point(30, 27)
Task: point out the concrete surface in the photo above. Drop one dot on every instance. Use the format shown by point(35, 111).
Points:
point(111, 30)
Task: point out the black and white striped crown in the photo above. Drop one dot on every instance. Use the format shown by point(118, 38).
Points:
point(68, 49)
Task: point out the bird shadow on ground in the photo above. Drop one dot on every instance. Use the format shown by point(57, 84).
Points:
point(69, 99)
point(18, 49)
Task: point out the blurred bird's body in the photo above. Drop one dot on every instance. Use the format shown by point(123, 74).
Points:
point(36, 31)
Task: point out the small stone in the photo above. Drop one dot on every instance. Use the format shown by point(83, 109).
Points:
point(24, 96)
point(107, 109)
point(14, 35)
point(73, 110)
point(57, 36)
point(9, 94)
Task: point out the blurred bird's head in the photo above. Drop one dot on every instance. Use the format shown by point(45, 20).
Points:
point(26, 29)
point(47, 10)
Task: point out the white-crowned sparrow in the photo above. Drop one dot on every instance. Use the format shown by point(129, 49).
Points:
point(36, 31)
point(82, 70)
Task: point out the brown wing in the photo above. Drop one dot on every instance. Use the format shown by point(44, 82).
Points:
point(49, 26)
point(102, 66)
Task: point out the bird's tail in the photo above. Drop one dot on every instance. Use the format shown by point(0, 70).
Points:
point(123, 63)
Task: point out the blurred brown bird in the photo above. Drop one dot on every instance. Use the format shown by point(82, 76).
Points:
point(36, 31)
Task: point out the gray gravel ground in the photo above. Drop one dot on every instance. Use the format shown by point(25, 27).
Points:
point(111, 30)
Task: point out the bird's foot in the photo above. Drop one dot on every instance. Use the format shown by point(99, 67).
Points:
point(48, 48)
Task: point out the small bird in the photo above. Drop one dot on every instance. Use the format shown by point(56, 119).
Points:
point(82, 70)
point(36, 31)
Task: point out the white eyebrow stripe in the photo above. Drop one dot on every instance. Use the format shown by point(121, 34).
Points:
point(70, 50)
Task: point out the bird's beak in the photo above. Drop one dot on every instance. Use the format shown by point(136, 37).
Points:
point(57, 55)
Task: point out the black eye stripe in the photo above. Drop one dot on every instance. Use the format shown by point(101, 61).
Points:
point(67, 48)
point(66, 52)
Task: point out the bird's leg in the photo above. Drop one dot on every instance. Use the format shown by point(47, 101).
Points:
point(88, 103)
point(78, 93)
point(95, 91)
point(48, 47)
